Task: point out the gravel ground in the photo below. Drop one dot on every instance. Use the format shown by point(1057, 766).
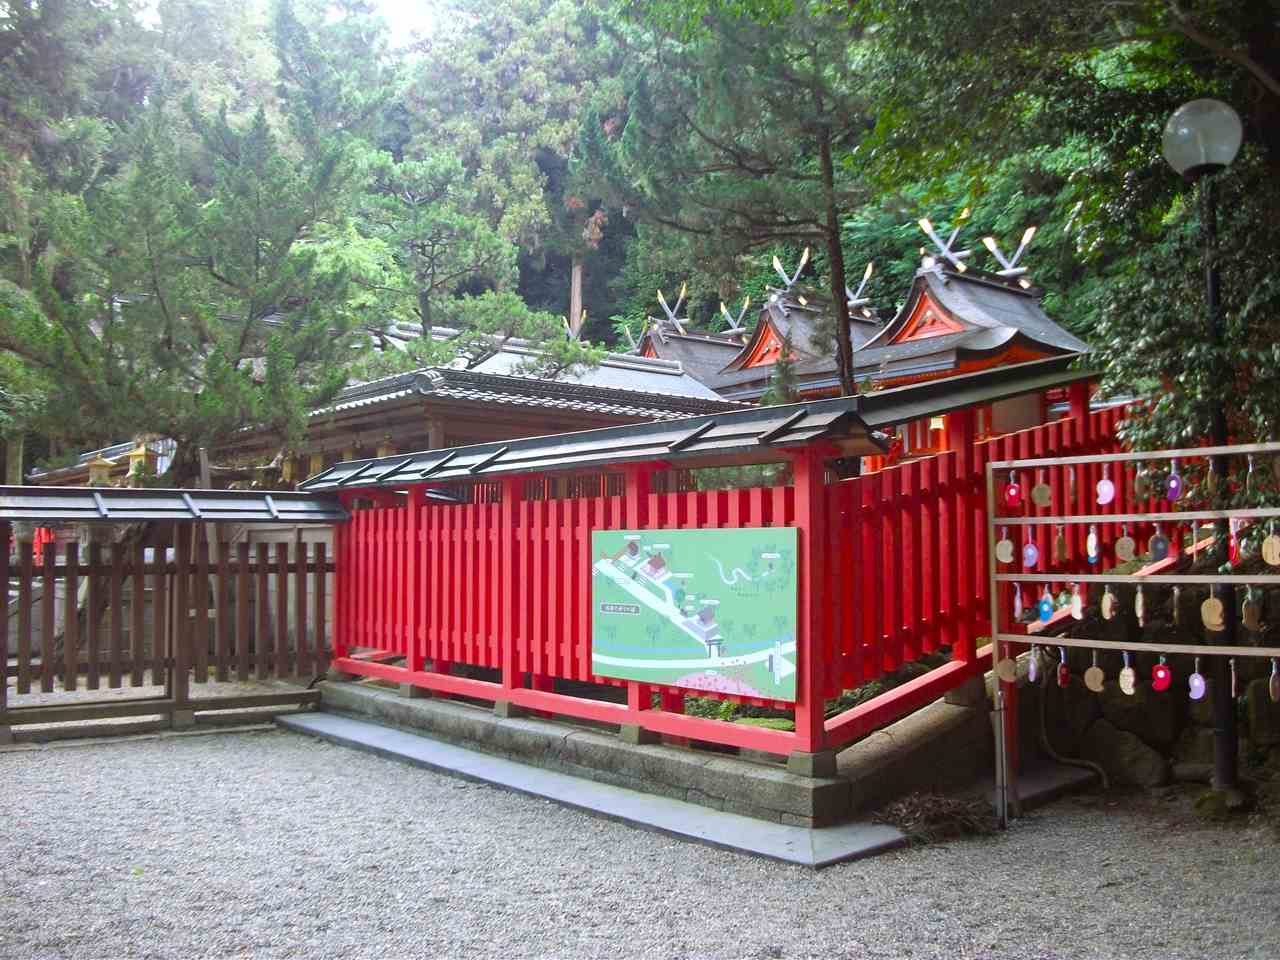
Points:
point(275, 845)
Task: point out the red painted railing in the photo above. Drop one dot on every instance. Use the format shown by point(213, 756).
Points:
point(892, 567)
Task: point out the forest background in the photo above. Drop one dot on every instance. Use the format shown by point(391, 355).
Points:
point(214, 213)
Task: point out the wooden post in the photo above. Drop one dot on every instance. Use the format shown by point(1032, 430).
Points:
point(180, 680)
point(811, 756)
point(261, 607)
point(71, 617)
point(223, 612)
point(161, 654)
point(282, 611)
point(242, 611)
point(93, 608)
point(302, 651)
point(47, 581)
point(25, 575)
point(1078, 398)
point(636, 478)
point(321, 610)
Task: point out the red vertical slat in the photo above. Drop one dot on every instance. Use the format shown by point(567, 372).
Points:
point(471, 597)
point(413, 506)
point(499, 571)
point(508, 533)
point(538, 588)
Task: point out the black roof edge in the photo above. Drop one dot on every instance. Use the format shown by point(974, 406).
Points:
point(131, 504)
point(935, 397)
point(605, 441)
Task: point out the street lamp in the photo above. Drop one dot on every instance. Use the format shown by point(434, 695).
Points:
point(1201, 138)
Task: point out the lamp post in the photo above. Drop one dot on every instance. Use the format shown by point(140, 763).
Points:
point(1200, 139)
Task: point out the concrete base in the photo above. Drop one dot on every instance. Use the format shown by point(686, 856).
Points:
point(821, 764)
point(182, 719)
point(635, 734)
point(937, 749)
point(762, 791)
point(413, 692)
point(971, 693)
point(509, 711)
point(690, 821)
point(6, 735)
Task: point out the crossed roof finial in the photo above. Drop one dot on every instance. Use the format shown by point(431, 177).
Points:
point(1010, 264)
point(946, 249)
point(854, 299)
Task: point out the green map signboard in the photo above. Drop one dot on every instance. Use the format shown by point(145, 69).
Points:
point(702, 609)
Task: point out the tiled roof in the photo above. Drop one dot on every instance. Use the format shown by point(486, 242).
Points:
point(754, 434)
point(491, 388)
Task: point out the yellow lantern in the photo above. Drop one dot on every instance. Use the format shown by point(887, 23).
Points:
point(100, 471)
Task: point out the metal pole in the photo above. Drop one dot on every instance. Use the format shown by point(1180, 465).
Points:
point(997, 688)
point(1225, 743)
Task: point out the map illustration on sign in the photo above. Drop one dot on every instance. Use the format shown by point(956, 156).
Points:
point(701, 609)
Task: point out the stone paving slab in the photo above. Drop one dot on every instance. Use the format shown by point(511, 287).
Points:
point(791, 844)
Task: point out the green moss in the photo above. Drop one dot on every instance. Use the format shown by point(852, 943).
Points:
point(769, 723)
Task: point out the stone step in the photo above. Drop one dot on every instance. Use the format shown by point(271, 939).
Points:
point(810, 847)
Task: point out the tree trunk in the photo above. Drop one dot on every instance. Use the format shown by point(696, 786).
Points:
point(424, 310)
point(13, 458)
point(835, 257)
point(575, 295)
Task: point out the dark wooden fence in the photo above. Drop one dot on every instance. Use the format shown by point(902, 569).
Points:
point(176, 610)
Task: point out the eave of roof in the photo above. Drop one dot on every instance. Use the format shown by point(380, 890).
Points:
point(128, 505)
point(755, 434)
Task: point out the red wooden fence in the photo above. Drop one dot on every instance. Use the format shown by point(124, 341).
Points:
point(892, 566)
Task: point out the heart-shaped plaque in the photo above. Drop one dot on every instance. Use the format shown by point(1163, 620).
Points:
point(1271, 550)
point(1211, 614)
point(1095, 679)
point(1127, 679)
point(1110, 605)
point(1042, 495)
point(1161, 677)
point(1007, 670)
point(1004, 551)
